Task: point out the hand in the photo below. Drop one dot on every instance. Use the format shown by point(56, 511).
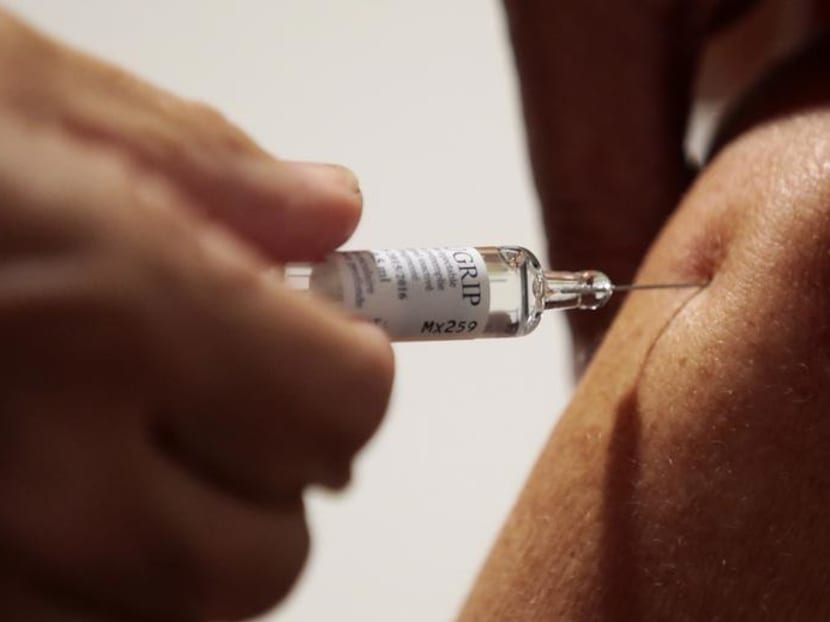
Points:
point(163, 404)
point(607, 88)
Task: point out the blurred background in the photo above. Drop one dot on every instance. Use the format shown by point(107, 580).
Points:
point(419, 98)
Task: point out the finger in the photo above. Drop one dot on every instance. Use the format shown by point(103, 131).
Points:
point(151, 540)
point(212, 557)
point(262, 389)
point(285, 400)
point(67, 521)
point(290, 211)
point(25, 600)
point(606, 93)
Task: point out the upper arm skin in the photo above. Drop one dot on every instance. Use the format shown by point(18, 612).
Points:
point(689, 479)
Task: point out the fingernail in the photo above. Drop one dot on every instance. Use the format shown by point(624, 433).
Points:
point(327, 174)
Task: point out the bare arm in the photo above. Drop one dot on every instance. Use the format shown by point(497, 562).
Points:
point(688, 478)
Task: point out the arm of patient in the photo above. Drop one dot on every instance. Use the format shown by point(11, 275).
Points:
point(689, 479)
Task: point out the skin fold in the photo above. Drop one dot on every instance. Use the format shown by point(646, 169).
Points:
point(687, 479)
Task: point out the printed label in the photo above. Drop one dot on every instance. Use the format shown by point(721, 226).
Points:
point(418, 293)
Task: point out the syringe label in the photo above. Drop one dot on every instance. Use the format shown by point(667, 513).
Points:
point(418, 293)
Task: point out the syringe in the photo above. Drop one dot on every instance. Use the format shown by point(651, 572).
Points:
point(455, 292)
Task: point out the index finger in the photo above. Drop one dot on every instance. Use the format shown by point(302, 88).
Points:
point(288, 211)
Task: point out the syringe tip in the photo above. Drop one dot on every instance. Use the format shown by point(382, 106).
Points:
point(637, 286)
point(598, 290)
point(586, 289)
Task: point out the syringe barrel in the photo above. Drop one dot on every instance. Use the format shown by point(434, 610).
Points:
point(439, 293)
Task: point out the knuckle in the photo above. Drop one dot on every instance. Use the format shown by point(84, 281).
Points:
point(217, 124)
point(206, 112)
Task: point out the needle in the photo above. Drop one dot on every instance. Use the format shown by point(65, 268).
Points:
point(625, 288)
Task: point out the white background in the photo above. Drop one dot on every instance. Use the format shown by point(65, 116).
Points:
point(419, 99)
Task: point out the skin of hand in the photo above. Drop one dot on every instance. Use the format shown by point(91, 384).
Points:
point(687, 480)
point(607, 89)
point(163, 401)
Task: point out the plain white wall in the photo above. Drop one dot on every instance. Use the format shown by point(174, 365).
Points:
point(419, 99)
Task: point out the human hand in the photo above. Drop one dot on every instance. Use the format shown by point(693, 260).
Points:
point(607, 89)
point(163, 403)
